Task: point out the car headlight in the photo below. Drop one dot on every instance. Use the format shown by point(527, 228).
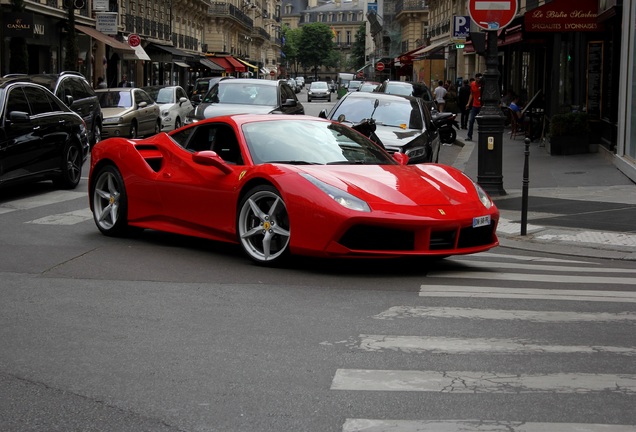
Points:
point(113, 120)
point(415, 152)
point(165, 114)
point(343, 198)
point(483, 196)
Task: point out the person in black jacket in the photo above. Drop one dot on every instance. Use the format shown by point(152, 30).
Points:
point(124, 81)
point(462, 99)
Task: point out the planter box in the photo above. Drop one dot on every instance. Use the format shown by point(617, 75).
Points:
point(569, 145)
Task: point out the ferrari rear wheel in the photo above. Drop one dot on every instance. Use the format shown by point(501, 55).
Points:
point(263, 225)
point(110, 202)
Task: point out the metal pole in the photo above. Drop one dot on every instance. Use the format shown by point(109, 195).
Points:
point(524, 190)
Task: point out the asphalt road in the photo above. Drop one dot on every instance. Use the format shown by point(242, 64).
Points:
point(166, 333)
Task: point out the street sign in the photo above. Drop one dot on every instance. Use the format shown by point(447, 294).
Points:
point(134, 40)
point(379, 66)
point(272, 73)
point(461, 27)
point(360, 74)
point(492, 14)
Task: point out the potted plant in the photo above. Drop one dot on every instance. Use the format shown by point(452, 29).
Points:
point(569, 133)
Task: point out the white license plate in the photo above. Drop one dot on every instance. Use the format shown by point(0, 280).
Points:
point(481, 221)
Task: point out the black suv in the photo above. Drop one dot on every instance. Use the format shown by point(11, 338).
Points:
point(75, 91)
point(201, 87)
point(40, 137)
point(406, 88)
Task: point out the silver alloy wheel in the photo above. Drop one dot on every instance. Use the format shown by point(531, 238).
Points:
point(263, 225)
point(106, 197)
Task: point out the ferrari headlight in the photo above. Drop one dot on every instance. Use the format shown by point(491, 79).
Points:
point(483, 196)
point(113, 120)
point(343, 198)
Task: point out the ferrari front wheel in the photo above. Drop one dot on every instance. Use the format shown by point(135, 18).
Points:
point(263, 225)
point(110, 202)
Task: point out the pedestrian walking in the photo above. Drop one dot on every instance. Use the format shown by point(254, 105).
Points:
point(463, 94)
point(474, 104)
point(440, 93)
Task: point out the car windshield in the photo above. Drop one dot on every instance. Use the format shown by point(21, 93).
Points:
point(164, 96)
point(115, 99)
point(319, 85)
point(311, 142)
point(228, 92)
point(399, 89)
point(397, 112)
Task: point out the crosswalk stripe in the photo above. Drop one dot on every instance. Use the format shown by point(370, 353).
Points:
point(519, 258)
point(70, 218)
point(460, 382)
point(432, 344)
point(521, 266)
point(583, 279)
point(503, 314)
point(372, 425)
point(526, 293)
point(53, 197)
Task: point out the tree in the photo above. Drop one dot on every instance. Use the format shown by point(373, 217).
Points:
point(291, 46)
point(358, 49)
point(18, 53)
point(316, 44)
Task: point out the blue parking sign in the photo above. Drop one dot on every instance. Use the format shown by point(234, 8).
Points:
point(461, 26)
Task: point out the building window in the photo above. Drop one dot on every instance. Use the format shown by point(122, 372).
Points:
point(348, 37)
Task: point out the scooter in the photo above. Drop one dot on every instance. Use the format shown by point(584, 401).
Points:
point(445, 123)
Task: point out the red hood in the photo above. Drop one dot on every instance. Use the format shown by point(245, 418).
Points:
point(398, 184)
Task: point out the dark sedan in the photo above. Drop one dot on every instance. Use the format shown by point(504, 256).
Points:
point(40, 137)
point(403, 123)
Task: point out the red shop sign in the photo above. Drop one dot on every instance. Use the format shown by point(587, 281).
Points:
point(564, 16)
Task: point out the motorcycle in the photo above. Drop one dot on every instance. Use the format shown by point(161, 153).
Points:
point(446, 124)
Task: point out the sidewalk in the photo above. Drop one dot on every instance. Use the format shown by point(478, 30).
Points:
point(578, 205)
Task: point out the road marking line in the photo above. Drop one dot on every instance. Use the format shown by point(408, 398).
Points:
point(461, 382)
point(518, 258)
point(70, 218)
point(522, 266)
point(526, 293)
point(433, 344)
point(399, 312)
point(373, 425)
point(48, 198)
point(528, 277)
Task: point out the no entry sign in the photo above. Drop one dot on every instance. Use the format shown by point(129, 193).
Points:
point(492, 14)
point(379, 66)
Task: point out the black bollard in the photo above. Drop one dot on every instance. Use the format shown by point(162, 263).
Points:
point(524, 190)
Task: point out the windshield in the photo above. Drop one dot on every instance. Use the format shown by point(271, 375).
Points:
point(319, 85)
point(115, 99)
point(310, 142)
point(395, 112)
point(229, 92)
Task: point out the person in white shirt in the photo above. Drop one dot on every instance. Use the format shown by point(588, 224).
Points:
point(440, 93)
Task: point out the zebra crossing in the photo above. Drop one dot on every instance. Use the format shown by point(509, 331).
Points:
point(481, 276)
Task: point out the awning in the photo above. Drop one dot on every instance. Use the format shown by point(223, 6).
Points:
point(112, 42)
point(221, 61)
point(248, 64)
point(211, 65)
point(172, 50)
point(182, 64)
point(431, 48)
point(237, 65)
point(139, 54)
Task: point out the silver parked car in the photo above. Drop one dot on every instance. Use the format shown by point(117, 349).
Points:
point(128, 112)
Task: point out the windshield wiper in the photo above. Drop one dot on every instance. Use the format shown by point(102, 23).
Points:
point(347, 162)
point(294, 162)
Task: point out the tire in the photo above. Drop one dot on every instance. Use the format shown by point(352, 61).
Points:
point(308, 99)
point(71, 170)
point(97, 133)
point(449, 136)
point(262, 226)
point(329, 98)
point(133, 130)
point(157, 127)
point(177, 123)
point(110, 202)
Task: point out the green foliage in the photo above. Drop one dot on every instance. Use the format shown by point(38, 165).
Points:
point(316, 44)
point(291, 46)
point(358, 55)
point(569, 124)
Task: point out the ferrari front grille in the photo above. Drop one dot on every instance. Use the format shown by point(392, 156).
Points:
point(365, 237)
point(471, 237)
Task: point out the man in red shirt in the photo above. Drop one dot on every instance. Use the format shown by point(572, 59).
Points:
point(474, 104)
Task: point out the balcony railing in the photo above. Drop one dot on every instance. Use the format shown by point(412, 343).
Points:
point(261, 33)
point(223, 10)
point(410, 5)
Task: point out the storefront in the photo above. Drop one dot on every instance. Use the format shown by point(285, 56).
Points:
point(625, 158)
